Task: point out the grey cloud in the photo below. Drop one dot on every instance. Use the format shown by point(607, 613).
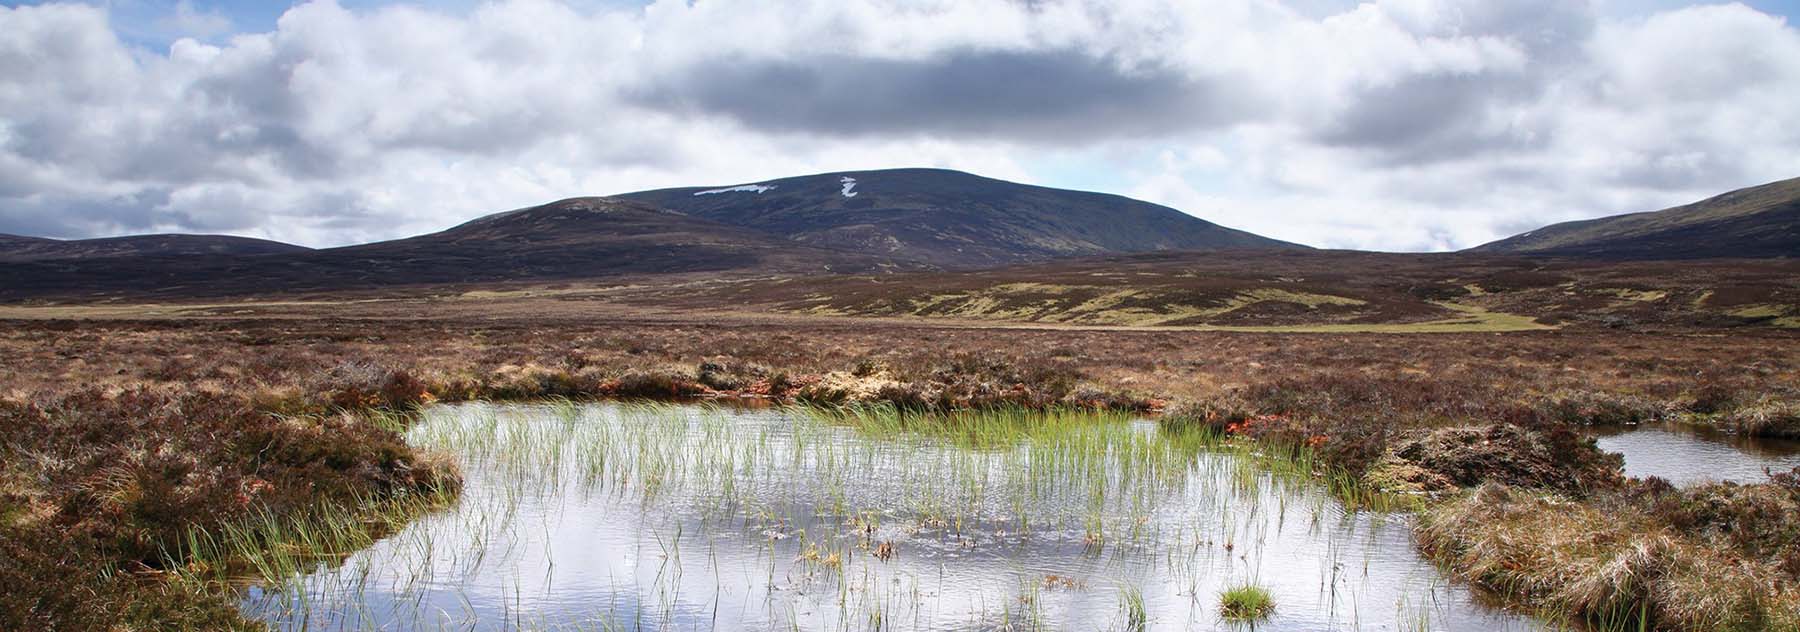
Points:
point(66, 218)
point(1049, 96)
point(1447, 114)
point(1428, 118)
point(1694, 164)
point(1548, 30)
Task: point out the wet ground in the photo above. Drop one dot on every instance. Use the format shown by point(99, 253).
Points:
point(614, 517)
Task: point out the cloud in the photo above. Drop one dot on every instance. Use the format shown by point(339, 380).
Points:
point(186, 21)
point(1052, 96)
point(1399, 124)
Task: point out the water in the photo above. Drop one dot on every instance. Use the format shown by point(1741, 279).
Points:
point(1685, 455)
point(610, 517)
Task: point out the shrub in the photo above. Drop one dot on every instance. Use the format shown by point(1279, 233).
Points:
point(117, 480)
point(654, 384)
point(360, 385)
point(1600, 408)
point(1776, 419)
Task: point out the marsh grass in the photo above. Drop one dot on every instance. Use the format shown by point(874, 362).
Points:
point(1608, 567)
point(825, 491)
point(268, 547)
point(1246, 602)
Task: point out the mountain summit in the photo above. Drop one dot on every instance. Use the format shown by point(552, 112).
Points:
point(950, 218)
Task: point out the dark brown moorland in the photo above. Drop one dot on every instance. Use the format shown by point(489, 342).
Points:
point(124, 425)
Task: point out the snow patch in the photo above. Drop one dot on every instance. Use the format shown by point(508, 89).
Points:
point(748, 188)
point(849, 186)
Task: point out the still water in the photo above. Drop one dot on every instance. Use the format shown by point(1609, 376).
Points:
point(1685, 455)
point(617, 517)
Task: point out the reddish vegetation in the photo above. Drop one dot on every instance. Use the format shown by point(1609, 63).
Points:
point(98, 479)
point(119, 435)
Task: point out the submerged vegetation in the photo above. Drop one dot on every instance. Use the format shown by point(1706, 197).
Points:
point(840, 518)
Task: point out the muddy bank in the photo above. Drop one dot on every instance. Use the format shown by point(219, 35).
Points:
point(1447, 459)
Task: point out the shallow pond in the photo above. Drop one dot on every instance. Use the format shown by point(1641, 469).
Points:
point(1685, 455)
point(614, 517)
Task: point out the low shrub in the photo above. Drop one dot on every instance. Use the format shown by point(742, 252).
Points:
point(1600, 408)
point(653, 384)
point(115, 480)
point(1767, 418)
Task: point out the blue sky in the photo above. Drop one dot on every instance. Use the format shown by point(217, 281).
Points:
point(148, 21)
point(1409, 125)
point(258, 15)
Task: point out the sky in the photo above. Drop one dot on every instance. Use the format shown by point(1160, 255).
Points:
point(1401, 125)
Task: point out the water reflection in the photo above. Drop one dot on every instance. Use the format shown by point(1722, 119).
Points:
point(1685, 455)
point(612, 517)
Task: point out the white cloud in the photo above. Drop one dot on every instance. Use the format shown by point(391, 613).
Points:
point(186, 21)
point(1400, 124)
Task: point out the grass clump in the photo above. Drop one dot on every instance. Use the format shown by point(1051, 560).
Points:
point(1246, 603)
point(1628, 561)
point(1131, 601)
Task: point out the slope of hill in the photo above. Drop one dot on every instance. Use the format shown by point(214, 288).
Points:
point(1310, 290)
point(579, 238)
point(949, 218)
point(593, 237)
point(1760, 221)
point(17, 248)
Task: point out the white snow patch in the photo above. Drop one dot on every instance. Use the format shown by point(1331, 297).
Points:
point(748, 188)
point(849, 186)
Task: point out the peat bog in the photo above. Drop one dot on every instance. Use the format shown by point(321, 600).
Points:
point(229, 473)
point(686, 517)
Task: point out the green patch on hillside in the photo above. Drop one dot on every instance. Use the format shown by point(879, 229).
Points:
point(1473, 320)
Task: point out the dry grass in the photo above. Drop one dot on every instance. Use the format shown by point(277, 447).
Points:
point(1611, 563)
point(86, 448)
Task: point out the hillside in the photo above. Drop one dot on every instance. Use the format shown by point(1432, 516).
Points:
point(949, 218)
point(1307, 290)
point(1760, 221)
point(18, 248)
point(579, 238)
point(594, 237)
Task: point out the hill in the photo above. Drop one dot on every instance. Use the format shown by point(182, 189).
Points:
point(578, 238)
point(18, 248)
point(594, 237)
point(1290, 290)
point(1760, 221)
point(950, 218)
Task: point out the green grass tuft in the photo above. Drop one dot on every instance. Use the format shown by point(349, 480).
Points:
point(1246, 603)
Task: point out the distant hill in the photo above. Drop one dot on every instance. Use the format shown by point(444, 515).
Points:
point(17, 248)
point(573, 239)
point(1760, 221)
point(950, 218)
point(592, 237)
point(858, 222)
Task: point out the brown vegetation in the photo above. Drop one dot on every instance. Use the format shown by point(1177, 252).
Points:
point(119, 435)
